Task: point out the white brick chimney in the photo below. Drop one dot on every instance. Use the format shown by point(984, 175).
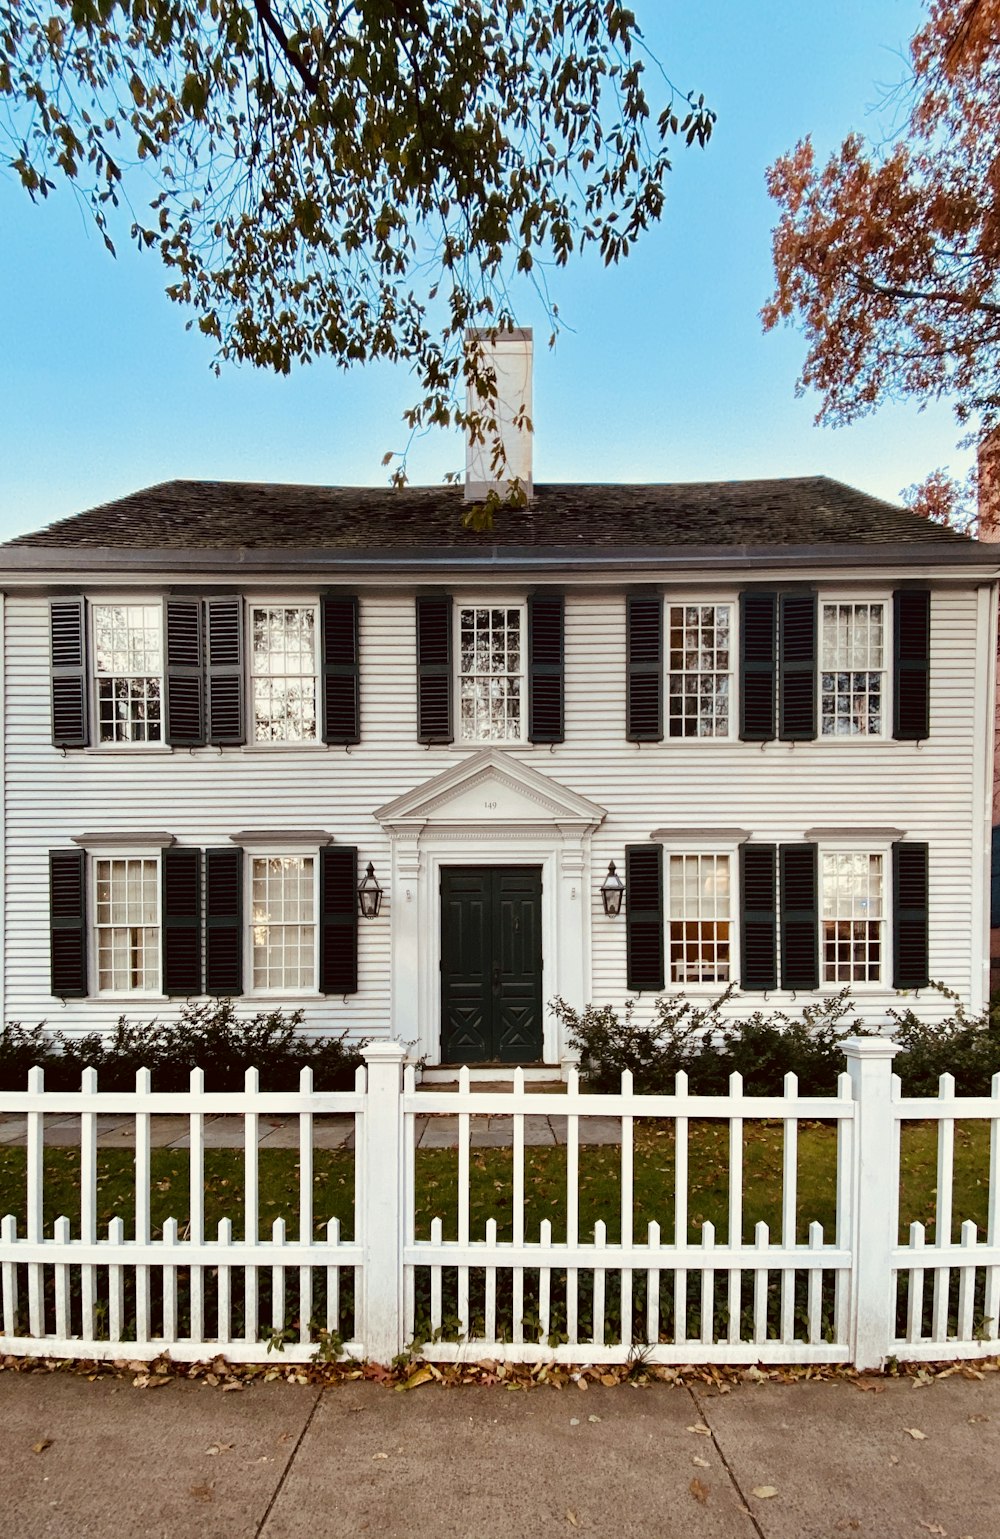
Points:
point(509, 356)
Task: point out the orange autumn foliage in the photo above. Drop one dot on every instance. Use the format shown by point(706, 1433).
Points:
point(888, 258)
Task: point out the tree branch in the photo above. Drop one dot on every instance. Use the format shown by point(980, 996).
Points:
point(268, 19)
point(929, 296)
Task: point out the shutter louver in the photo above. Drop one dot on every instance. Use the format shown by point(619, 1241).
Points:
point(434, 669)
point(185, 673)
point(911, 649)
point(758, 916)
point(68, 923)
point(797, 667)
point(758, 633)
point(180, 916)
point(68, 628)
point(224, 627)
point(224, 921)
point(644, 684)
point(341, 674)
point(545, 668)
point(338, 951)
point(910, 964)
point(799, 916)
point(644, 915)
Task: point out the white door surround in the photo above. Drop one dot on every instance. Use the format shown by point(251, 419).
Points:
point(490, 809)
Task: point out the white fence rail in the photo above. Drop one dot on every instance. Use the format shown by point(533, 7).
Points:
point(551, 1274)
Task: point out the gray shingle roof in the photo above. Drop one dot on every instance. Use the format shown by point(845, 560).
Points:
point(217, 515)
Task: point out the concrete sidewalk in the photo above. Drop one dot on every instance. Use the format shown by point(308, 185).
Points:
point(283, 1461)
point(436, 1131)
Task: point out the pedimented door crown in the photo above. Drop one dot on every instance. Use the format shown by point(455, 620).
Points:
point(491, 787)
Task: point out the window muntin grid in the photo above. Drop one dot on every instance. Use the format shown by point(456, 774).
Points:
point(698, 682)
point(852, 917)
point(699, 918)
point(128, 669)
point(283, 928)
point(852, 666)
point(127, 925)
point(490, 665)
point(283, 673)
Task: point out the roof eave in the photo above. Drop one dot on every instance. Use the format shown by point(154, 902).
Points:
point(40, 561)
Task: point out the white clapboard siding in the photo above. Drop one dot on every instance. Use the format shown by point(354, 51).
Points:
point(776, 791)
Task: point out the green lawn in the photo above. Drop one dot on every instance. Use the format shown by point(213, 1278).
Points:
point(545, 1184)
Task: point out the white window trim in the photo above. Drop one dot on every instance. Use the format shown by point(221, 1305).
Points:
point(254, 601)
point(879, 596)
point(120, 852)
point(703, 600)
point(131, 600)
point(495, 601)
point(278, 852)
point(717, 845)
point(858, 844)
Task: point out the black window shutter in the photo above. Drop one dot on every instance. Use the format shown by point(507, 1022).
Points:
point(910, 965)
point(180, 916)
point(341, 674)
point(797, 667)
point(68, 923)
point(224, 627)
point(912, 643)
point(434, 669)
point(644, 915)
point(545, 668)
point(644, 683)
point(758, 635)
point(185, 673)
point(995, 878)
point(338, 951)
point(68, 626)
point(758, 916)
point(224, 921)
point(799, 916)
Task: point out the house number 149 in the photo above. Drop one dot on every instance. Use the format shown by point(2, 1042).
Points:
point(490, 806)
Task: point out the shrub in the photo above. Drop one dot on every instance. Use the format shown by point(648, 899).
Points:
point(206, 1036)
point(699, 1039)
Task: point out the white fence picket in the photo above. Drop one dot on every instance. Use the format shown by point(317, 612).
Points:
point(942, 1212)
point(251, 1206)
point(789, 1203)
point(734, 1234)
point(305, 1202)
point(680, 1206)
point(88, 1204)
point(143, 1183)
point(196, 1204)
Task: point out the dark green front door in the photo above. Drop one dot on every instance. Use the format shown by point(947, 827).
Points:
point(491, 964)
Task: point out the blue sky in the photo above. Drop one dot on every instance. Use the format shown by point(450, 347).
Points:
point(661, 374)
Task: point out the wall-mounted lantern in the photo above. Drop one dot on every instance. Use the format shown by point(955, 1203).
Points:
point(612, 892)
point(369, 894)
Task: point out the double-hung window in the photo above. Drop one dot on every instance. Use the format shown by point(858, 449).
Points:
point(128, 670)
point(283, 922)
point(491, 673)
point(852, 670)
point(853, 910)
point(127, 924)
point(699, 922)
point(699, 678)
point(283, 666)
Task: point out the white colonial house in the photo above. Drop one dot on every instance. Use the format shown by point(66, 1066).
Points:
point(766, 705)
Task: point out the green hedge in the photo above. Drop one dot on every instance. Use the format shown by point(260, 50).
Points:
point(709, 1046)
point(207, 1036)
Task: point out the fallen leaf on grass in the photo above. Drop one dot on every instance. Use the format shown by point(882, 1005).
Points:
point(380, 1456)
point(702, 1464)
point(571, 1517)
point(915, 1432)
point(699, 1491)
point(702, 1429)
point(233, 1384)
point(41, 1445)
point(765, 1491)
point(219, 1448)
point(935, 1528)
point(593, 1418)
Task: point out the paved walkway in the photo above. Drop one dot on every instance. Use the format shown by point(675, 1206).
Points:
point(433, 1132)
point(279, 1461)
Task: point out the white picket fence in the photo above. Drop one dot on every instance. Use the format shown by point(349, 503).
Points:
point(548, 1291)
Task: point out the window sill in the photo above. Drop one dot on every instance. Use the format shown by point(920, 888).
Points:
point(130, 750)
